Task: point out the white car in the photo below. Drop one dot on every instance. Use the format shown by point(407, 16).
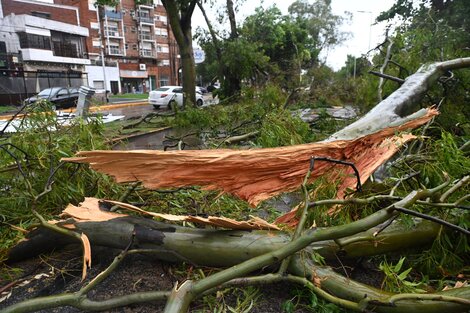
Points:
point(165, 96)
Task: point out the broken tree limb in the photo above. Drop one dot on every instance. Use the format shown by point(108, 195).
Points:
point(402, 104)
point(255, 175)
point(203, 246)
point(330, 283)
point(343, 288)
point(252, 175)
point(386, 76)
point(388, 56)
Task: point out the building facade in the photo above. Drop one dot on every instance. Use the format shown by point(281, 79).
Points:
point(68, 36)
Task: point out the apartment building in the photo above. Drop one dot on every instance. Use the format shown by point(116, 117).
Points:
point(133, 38)
point(136, 36)
point(41, 44)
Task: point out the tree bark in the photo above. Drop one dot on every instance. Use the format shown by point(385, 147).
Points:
point(218, 248)
point(223, 248)
point(179, 15)
point(402, 105)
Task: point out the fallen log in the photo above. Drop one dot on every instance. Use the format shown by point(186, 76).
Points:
point(208, 246)
point(246, 252)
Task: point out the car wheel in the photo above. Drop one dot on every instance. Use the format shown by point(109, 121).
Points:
point(199, 102)
point(156, 107)
point(171, 104)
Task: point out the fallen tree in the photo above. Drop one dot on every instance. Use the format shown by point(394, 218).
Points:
point(254, 176)
point(222, 248)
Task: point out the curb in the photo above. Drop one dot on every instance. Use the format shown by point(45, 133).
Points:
point(92, 109)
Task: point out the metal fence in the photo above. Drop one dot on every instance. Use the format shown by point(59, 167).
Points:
point(15, 86)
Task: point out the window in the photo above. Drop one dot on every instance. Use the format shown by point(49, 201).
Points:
point(98, 84)
point(125, 29)
point(41, 14)
point(96, 43)
point(161, 32)
point(126, 46)
point(163, 48)
point(161, 18)
point(134, 47)
point(34, 41)
point(133, 29)
point(63, 92)
point(164, 80)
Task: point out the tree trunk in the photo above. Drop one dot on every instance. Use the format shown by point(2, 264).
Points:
point(250, 250)
point(179, 15)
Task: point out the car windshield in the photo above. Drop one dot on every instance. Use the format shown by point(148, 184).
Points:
point(49, 91)
point(162, 89)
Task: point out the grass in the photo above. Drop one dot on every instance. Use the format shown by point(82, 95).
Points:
point(7, 108)
point(131, 96)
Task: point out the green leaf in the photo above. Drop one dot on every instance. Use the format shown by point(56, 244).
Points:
point(399, 265)
point(404, 274)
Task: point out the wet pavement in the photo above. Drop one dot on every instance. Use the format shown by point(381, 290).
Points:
point(132, 111)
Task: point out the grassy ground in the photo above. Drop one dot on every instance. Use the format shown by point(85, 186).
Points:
point(7, 109)
point(131, 96)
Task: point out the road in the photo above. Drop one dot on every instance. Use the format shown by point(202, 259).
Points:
point(131, 111)
point(141, 109)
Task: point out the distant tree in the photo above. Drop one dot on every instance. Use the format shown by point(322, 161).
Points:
point(283, 40)
point(320, 23)
point(354, 66)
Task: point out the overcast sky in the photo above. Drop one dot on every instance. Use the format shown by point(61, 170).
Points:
point(364, 11)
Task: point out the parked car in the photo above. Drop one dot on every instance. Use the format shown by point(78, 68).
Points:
point(211, 88)
point(61, 97)
point(165, 96)
point(201, 90)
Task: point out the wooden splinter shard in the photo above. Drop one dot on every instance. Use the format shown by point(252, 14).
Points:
point(253, 175)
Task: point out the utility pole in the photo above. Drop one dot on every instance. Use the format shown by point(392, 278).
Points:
point(103, 66)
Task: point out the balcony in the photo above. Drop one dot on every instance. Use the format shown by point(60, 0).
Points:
point(147, 53)
point(146, 36)
point(146, 19)
point(146, 4)
point(113, 15)
point(115, 51)
point(112, 32)
point(64, 49)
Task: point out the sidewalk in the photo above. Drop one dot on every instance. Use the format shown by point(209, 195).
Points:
point(97, 108)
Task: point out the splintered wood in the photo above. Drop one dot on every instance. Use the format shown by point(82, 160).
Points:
point(89, 210)
point(252, 175)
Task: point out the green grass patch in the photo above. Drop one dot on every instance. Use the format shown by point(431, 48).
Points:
point(8, 109)
point(131, 96)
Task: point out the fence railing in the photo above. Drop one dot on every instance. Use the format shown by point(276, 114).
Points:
point(16, 86)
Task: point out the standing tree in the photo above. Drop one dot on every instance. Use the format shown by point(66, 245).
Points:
point(231, 80)
point(320, 22)
point(179, 15)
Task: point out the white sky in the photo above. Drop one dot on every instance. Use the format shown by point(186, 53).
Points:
point(359, 27)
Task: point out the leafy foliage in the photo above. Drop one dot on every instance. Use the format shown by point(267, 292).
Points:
point(279, 128)
point(396, 279)
point(272, 47)
point(30, 162)
point(307, 299)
